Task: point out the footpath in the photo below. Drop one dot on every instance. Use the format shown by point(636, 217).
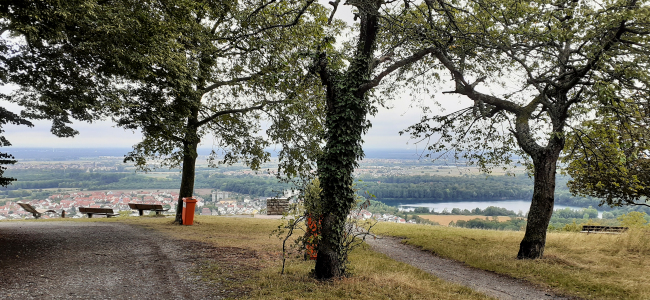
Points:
point(84, 260)
point(492, 284)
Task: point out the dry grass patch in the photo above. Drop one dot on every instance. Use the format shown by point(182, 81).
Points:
point(375, 276)
point(444, 220)
point(595, 266)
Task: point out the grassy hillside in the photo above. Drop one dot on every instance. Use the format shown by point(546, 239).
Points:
point(592, 266)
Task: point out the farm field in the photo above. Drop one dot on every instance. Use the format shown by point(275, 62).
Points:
point(444, 220)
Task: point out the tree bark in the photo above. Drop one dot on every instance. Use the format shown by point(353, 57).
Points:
point(541, 206)
point(328, 264)
point(190, 144)
point(187, 178)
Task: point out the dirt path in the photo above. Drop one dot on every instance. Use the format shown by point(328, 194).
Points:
point(75, 260)
point(495, 285)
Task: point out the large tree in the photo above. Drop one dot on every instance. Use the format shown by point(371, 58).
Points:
point(248, 65)
point(531, 70)
point(349, 79)
point(179, 70)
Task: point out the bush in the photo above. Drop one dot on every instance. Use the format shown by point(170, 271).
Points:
point(421, 210)
point(633, 219)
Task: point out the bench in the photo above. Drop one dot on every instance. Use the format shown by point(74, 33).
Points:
point(36, 212)
point(142, 207)
point(602, 229)
point(90, 211)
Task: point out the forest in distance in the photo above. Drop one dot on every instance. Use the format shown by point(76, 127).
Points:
point(391, 190)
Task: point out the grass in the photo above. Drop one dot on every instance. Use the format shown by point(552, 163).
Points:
point(375, 276)
point(593, 266)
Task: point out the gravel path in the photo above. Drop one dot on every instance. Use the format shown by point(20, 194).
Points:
point(75, 260)
point(495, 285)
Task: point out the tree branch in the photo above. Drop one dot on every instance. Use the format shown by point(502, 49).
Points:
point(336, 5)
point(293, 23)
point(234, 111)
point(230, 82)
point(464, 88)
point(409, 60)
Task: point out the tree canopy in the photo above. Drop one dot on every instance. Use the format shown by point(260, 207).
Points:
point(609, 157)
point(178, 71)
point(532, 69)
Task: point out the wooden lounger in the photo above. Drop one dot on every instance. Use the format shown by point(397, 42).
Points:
point(35, 211)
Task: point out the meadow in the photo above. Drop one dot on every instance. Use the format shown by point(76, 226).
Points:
point(591, 266)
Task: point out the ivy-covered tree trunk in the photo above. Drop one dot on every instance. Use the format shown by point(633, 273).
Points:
point(345, 123)
point(345, 120)
point(541, 206)
point(190, 144)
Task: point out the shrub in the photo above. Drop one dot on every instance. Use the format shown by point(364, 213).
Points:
point(633, 219)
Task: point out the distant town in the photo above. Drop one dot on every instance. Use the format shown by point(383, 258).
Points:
point(219, 204)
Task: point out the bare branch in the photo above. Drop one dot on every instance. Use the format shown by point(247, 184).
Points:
point(230, 82)
point(409, 60)
point(463, 88)
point(336, 5)
point(235, 111)
point(293, 23)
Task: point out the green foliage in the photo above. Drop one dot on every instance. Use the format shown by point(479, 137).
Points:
point(633, 219)
point(568, 213)
point(421, 210)
point(514, 224)
point(449, 188)
point(312, 204)
point(573, 227)
point(609, 156)
point(7, 117)
point(377, 207)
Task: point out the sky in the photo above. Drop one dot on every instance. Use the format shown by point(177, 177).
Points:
point(384, 133)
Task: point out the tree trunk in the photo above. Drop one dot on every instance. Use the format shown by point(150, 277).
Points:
point(190, 144)
point(328, 264)
point(541, 207)
point(347, 107)
point(187, 178)
point(344, 129)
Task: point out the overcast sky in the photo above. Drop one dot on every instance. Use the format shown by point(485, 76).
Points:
point(383, 134)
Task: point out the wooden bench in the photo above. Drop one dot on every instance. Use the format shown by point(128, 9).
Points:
point(35, 211)
point(602, 229)
point(142, 207)
point(90, 211)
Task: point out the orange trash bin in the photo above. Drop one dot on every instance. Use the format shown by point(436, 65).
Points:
point(188, 210)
